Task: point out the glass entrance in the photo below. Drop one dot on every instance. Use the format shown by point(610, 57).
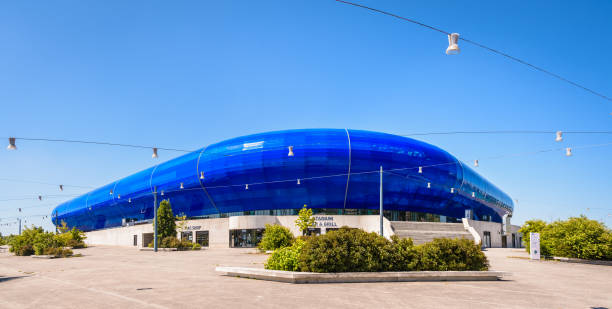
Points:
point(248, 238)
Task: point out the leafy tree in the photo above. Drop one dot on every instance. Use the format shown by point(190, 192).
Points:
point(305, 219)
point(63, 228)
point(182, 223)
point(166, 225)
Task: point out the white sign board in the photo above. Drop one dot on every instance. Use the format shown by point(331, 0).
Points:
point(534, 246)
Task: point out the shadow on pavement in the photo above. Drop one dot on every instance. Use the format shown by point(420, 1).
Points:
point(3, 279)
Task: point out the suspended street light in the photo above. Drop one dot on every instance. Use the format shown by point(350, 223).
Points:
point(11, 145)
point(559, 136)
point(420, 170)
point(61, 187)
point(129, 200)
point(453, 48)
point(182, 186)
point(429, 185)
point(40, 197)
point(202, 175)
point(246, 187)
point(290, 154)
point(298, 182)
point(568, 151)
point(452, 190)
point(475, 163)
point(111, 192)
point(473, 194)
point(154, 155)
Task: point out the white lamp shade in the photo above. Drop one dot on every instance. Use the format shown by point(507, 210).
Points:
point(559, 136)
point(11, 145)
point(154, 155)
point(453, 47)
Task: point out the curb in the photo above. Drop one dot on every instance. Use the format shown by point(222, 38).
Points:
point(352, 277)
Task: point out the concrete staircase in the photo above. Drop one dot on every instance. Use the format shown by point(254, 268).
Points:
point(422, 232)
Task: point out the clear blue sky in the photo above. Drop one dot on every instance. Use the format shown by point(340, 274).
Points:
point(188, 74)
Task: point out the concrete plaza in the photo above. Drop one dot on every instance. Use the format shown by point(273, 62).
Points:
point(115, 277)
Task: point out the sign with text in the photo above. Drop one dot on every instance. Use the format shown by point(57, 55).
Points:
point(534, 246)
point(325, 221)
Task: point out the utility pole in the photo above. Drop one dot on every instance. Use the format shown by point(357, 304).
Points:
point(19, 221)
point(155, 218)
point(381, 201)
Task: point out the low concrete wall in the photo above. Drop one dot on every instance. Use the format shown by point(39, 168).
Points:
point(218, 230)
point(403, 276)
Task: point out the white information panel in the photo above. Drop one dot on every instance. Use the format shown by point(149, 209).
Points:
point(534, 246)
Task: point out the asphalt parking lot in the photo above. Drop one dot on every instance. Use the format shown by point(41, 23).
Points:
point(114, 277)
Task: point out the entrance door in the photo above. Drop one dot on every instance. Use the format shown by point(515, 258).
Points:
point(514, 241)
point(504, 242)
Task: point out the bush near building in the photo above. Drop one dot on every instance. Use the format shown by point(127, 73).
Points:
point(354, 250)
point(35, 240)
point(179, 244)
point(577, 237)
point(286, 258)
point(274, 237)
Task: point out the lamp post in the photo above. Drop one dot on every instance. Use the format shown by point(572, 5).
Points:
point(381, 201)
point(155, 218)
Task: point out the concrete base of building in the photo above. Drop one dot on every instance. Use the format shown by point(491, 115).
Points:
point(405, 276)
point(224, 232)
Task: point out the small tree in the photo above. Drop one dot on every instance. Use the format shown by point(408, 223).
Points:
point(63, 228)
point(166, 226)
point(305, 219)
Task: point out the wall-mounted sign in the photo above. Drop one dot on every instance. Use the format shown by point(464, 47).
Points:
point(193, 228)
point(325, 221)
point(534, 246)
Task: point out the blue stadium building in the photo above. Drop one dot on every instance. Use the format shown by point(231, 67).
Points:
point(333, 171)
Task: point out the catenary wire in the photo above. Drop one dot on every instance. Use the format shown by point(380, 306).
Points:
point(484, 47)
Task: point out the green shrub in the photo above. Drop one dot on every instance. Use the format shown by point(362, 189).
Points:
point(405, 256)
point(286, 258)
point(170, 242)
point(354, 250)
point(58, 252)
point(443, 254)
point(347, 250)
point(274, 237)
point(577, 237)
point(32, 240)
point(173, 242)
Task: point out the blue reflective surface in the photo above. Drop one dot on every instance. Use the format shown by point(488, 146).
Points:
point(337, 169)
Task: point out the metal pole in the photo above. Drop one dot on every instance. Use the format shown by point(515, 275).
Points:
point(381, 201)
point(155, 218)
point(19, 226)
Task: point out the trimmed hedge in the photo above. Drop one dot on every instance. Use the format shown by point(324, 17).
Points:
point(354, 250)
point(275, 237)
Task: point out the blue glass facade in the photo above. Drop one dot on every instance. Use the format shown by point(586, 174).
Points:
point(336, 168)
